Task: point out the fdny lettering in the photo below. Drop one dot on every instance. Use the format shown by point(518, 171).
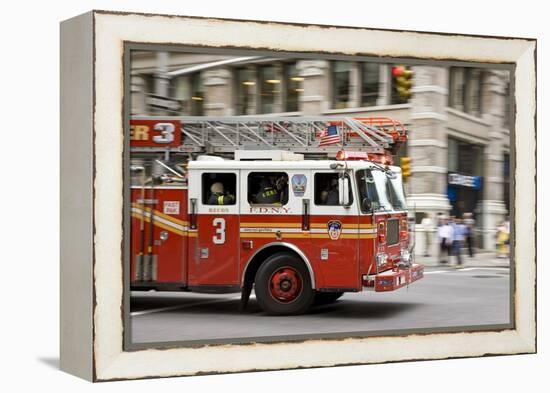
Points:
point(270, 209)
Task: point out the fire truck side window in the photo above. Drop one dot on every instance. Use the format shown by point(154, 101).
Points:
point(326, 189)
point(367, 191)
point(268, 188)
point(219, 188)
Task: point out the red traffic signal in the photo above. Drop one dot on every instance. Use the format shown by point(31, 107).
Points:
point(398, 71)
point(402, 78)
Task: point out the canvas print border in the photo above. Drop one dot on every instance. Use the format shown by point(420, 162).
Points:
point(103, 357)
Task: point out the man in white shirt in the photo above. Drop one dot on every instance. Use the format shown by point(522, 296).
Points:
point(445, 236)
point(470, 224)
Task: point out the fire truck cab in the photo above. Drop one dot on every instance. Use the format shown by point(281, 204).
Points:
point(295, 231)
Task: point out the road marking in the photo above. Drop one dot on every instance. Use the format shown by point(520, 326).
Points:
point(465, 269)
point(155, 310)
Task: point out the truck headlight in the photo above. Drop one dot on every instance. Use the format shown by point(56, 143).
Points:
point(406, 257)
point(381, 259)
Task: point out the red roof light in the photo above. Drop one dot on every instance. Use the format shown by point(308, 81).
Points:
point(351, 155)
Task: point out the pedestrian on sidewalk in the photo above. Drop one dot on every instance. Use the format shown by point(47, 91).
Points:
point(470, 224)
point(503, 239)
point(459, 234)
point(445, 236)
point(427, 225)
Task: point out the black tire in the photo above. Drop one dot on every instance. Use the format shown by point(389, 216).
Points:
point(283, 285)
point(327, 297)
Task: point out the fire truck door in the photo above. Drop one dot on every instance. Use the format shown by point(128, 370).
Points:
point(335, 232)
point(218, 228)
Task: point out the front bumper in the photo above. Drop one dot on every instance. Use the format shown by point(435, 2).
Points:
point(395, 279)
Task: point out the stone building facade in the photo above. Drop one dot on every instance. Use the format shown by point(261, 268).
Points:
point(458, 118)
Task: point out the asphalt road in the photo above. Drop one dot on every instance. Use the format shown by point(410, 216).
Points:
point(445, 297)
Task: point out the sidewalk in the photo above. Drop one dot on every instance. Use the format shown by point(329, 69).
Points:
point(480, 259)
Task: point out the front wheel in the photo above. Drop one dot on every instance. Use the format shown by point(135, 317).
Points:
point(283, 285)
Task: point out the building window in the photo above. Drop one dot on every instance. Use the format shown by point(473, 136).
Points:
point(472, 101)
point(465, 89)
point(219, 188)
point(245, 91)
point(506, 180)
point(464, 157)
point(148, 83)
point(189, 91)
point(452, 155)
point(268, 188)
point(293, 87)
point(456, 88)
point(197, 95)
point(370, 76)
point(270, 88)
point(267, 89)
point(507, 104)
point(341, 76)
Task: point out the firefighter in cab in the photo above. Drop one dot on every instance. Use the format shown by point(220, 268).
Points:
point(218, 195)
point(267, 194)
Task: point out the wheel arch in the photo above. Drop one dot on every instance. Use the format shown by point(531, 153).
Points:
point(265, 251)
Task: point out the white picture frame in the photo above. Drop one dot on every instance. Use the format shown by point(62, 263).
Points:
point(92, 146)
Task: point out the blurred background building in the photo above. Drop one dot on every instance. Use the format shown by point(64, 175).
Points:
point(458, 117)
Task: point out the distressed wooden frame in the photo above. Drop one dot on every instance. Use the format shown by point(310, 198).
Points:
point(92, 123)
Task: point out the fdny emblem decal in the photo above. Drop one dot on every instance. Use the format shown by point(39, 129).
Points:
point(334, 229)
point(299, 184)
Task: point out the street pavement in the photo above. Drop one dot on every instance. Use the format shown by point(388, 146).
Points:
point(478, 294)
point(481, 258)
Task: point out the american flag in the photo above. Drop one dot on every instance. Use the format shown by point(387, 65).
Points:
point(330, 136)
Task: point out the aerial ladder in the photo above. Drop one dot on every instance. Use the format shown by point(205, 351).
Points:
point(224, 135)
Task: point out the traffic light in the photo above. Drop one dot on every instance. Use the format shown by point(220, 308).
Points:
point(402, 77)
point(405, 167)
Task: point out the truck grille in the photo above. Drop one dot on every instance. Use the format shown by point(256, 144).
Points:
point(392, 231)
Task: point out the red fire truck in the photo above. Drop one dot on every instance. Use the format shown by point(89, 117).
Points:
point(241, 204)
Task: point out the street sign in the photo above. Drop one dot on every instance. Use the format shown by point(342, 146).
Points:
point(160, 102)
point(457, 179)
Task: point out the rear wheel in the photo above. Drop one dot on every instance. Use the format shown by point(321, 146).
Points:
point(327, 297)
point(283, 285)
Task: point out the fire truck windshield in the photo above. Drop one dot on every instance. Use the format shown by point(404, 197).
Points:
point(382, 189)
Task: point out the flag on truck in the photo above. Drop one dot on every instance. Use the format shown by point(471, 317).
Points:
point(330, 136)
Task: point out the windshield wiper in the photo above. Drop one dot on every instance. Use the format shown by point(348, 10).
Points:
point(387, 171)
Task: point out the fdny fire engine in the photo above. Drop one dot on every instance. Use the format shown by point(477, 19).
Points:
point(299, 210)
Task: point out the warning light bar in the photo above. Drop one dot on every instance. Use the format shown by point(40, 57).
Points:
point(351, 155)
point(384, 159)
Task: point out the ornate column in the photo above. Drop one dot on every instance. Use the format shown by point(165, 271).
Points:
point(492, 209)
point(137, 95)
point(427, 147)
point(383, 85)
point(162, 80)
point(315, 99)
point(355, 86)
point(218, 92)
